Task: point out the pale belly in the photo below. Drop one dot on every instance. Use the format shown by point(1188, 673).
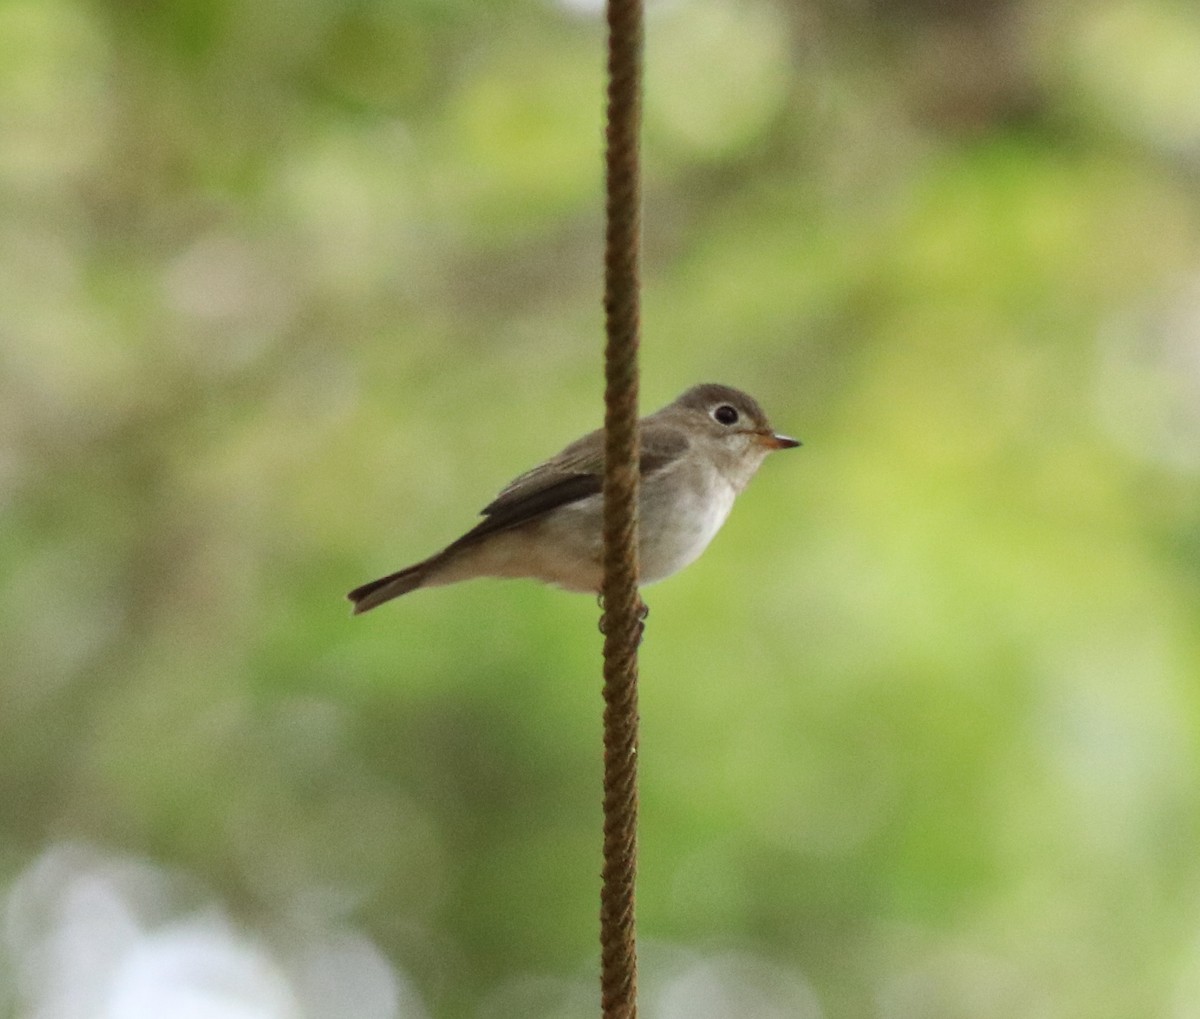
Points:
point(565, 548)
point(673, 534)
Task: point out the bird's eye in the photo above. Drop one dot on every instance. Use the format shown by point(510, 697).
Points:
point(725, 415)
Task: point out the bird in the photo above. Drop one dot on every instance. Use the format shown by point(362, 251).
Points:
point(697, 455)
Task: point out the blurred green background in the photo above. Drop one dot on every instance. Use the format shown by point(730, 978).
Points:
point(289, 290)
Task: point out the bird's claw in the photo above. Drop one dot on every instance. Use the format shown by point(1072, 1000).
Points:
point(641, 611)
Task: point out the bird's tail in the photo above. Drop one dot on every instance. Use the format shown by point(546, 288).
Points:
point(386, 588)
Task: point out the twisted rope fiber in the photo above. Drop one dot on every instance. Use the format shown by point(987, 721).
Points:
point(622, 606)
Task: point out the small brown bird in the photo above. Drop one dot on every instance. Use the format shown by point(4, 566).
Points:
point(697, 454)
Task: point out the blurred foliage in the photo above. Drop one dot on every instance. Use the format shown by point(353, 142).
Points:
point(288, 290)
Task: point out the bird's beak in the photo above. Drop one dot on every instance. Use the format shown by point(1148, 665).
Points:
point(773, 441)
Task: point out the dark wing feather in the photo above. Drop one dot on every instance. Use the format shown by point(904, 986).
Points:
point(572, 475)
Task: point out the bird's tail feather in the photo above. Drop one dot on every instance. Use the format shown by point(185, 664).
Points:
point(386, 588)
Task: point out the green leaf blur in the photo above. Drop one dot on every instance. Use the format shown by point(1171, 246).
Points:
point(289, 290)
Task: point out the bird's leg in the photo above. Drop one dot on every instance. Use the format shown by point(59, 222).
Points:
point(641, 610)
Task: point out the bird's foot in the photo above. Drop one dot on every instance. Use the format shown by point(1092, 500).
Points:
point(641, 611)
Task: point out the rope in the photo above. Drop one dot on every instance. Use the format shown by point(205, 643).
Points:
point(623, 610)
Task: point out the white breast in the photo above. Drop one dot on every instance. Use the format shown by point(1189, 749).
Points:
point(674, 532)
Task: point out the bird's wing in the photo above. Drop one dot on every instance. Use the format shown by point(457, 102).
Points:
point(574, 474)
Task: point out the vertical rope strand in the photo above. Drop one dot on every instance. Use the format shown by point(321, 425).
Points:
point(622, 606)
